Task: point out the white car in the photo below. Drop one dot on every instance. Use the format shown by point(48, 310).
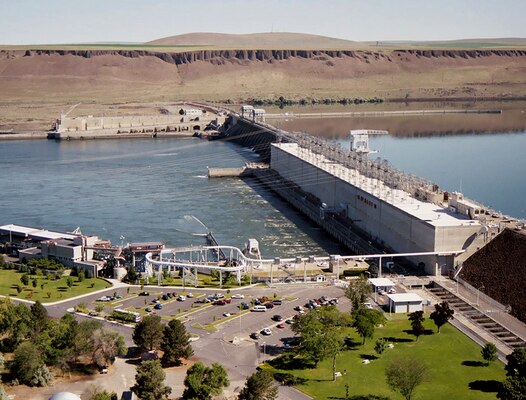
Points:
point(181, 298)
point(227, 314)
point(392, 290)
point(190, 295)
point(266, 332)
point(238, 296)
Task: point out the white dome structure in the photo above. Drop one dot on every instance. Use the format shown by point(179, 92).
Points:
point(64, 396)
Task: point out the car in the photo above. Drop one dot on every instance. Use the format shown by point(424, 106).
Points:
point(257, 302)
point(381, 292)
point(392, 291)
point(219, 295)
point(155, 301)
point(227, 301)
point(165, 297)
point(118, 296)
point(148, 309)
point(289, 321)
point(158, 306)
point(266, 332)
point(238, 296)
point(144, 294)
point(181, 298)
point(277, 302)
point(105, 298)
point(298, 308)
point(280, 326)
point(277, 317)
point(219, 303)
point(169, 295)
point(244, 306)
point(226, 314)
point(254, 335)
point(269, 304)
point(190, 295)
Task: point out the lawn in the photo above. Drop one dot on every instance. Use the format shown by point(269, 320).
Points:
point(52, 290)
point(453, 360)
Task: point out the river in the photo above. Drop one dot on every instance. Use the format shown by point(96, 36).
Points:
point(145, 189)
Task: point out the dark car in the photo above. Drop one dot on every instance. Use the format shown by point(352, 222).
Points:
point(269, 305)
point(254, 335)
point(277, 317)
point(277, 302)
point(158, 306)
point(219, 302)
point(144, 294)
point(245, 306)
point(165, 297)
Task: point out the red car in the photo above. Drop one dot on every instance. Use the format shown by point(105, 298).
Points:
point(219, 302)
point(280, 326)
point(269, 305)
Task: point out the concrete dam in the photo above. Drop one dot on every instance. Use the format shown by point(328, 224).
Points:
point(369, 206)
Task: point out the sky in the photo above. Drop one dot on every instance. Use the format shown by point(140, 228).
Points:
point(89, 21)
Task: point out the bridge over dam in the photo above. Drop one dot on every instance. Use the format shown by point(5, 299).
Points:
point(367, 205)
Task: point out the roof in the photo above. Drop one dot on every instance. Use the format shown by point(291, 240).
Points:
point(433, 214)
point(34, 232)
point(381, 282)
point(404, 297)
point(64, 396)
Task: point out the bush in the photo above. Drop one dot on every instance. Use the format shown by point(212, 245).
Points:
point(42, 376)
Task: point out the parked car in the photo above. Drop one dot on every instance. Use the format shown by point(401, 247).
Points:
point(219, 302)
point(144, 294)
point(392, 290)
point(227, 301)
point(280, 326)
point(277, 317)
point(105, 298)
point(148, 309)
point(165, 297)
point(190, 295)
point(245, 306)
point(289, 321)
point(269, 305)
point(277, 302)
point(254, 335)
point(266, 332)
point(158, 306)
point(226, 314)
point(238, 296)
point(181, 298)
point(298, 308)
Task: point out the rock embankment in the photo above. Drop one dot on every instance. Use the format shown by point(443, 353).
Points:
point(215, 56)
point(500, 267)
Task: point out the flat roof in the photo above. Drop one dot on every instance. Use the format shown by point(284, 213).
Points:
point(34, 232)
point(381, 282)
point(404, 297)
point(431, 213)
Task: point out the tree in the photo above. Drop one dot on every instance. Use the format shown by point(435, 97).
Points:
point(175, 343)
point(27, 358)
point(42, 376)
point(39, 317)
point(34, 282)
point(259, 386)
point(149, 381)
point(24, 279)
point(516, 363)
point(358, 291)
point(3, 394)
point(405, 374)
point(442, 314)
point(489, 352)
point(380, 346)
point(106, 346)
point(81, 275)
point(69, 281)
point(365, 321)
point(417, 327)
point(514, 387)
point(147, 334)
point(95, 393)
point(202, 382)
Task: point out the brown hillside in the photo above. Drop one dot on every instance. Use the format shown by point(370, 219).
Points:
point(500, 267)
point(269, 40)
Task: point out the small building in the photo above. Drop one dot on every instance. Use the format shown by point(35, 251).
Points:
point(404, 302)
point(381, 284)
point(64, 396)
point(246, 110)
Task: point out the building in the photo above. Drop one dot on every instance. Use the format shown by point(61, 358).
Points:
point(381, 284)
point(404, 302)
point(391, 217)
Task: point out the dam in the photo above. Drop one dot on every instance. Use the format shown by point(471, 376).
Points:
point(369, 206)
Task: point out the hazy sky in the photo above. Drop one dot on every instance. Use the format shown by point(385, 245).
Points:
point(74, 21)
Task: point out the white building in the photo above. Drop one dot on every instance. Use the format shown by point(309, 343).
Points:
point(404, 302)
point(381, 284)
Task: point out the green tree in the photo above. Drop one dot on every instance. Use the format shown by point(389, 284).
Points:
point(380, 346)
point(202, 382)
point(489, 352)
point(97, 394)
point(106, 345)
point(149, 381)
point(147, 334)
point(69, 281)
point(442, 314)
point(39, 317)
point(42, 376)
point(81, 275)
point(34, 282)
point(417, 323)
point(365, 321)
point(131, 276)
point(27, 358)
point(24, 279)
point(175, 343)
point(514, 387)
point(259, 386)
point(405, 374)
point(358, 291)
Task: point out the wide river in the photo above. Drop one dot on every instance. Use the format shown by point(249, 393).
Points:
point(146, 189)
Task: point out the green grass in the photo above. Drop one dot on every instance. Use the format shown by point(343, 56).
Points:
point(53, 290)
point(443, 353)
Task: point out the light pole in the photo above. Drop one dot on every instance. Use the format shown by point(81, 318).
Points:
point(264, 348)
point(478, 294)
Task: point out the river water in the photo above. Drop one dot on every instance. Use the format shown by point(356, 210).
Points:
point(146, 189)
